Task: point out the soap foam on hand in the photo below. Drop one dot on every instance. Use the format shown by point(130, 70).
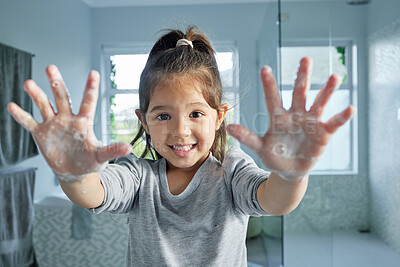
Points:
point(67, 141)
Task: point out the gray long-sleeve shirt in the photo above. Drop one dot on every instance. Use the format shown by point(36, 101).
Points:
point(205, 225)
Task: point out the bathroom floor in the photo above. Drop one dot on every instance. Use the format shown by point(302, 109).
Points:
point(338, 249)
point(333, 249)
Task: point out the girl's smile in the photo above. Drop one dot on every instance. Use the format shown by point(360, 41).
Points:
point(183, 150)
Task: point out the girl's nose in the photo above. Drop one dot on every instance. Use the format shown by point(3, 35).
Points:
point(182, 128)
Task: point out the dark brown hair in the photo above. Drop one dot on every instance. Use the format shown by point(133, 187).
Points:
point(168, 61)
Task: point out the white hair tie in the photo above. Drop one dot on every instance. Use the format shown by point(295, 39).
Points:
point(184, 42)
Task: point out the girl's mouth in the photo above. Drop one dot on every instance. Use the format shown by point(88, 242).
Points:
point(183, 150)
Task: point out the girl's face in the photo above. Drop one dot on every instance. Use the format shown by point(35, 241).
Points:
point(181, 124)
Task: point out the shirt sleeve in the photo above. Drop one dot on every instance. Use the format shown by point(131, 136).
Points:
point(121, 182)
point(244, 177)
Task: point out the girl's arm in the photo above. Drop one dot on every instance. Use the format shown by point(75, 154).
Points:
point(294, 141)
point(67, 141)
point(278, 196)
point(88, 192)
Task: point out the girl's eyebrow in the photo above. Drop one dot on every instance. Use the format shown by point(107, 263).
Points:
point(198, 104)
point(164, 107)
point(155, 108)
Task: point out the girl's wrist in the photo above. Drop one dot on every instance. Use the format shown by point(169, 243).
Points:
point(70, 178)
point(292, 178)
point(67, 177)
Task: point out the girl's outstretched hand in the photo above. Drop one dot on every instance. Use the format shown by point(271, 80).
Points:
point(67, 141)
point(296, 137)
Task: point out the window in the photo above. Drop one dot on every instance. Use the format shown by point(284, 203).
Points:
point(122, 68)
point(340, 155)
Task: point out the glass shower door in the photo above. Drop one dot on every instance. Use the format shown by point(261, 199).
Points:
point(333, 205)
point(348, 215)
point(266, 231)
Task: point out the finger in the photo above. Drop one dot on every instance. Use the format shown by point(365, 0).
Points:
point(22, 117)
point(60, 92)
point(40, 98)
point(271, 91)
point(245, 136)
point(89, 101)
point(302, 85)
point(113, 151)
point(339, 119)
point(324, 95)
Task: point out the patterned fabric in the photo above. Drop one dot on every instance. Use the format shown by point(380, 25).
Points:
point(55, 247)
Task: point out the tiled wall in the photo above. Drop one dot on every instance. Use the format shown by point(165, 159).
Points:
point(384, 125)
point(332, 203)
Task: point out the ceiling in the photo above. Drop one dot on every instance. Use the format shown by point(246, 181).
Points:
point(119, 3)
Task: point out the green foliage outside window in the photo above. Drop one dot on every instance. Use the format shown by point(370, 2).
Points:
point(342, 59)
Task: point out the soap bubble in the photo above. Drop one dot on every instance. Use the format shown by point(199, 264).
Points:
point(41, 137)
point(59, 162)
point(279, 149)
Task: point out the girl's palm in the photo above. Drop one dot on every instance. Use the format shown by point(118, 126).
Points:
point(67, 141)
point(295, 138)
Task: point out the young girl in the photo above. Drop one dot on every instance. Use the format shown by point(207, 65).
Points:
point(191, 204)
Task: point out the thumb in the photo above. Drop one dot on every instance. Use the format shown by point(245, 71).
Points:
point(245, 136)
point(113, 151)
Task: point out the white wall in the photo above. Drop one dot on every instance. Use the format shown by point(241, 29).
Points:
point(57, 32)
point(240, 23)
point(384, 126)
point(381, 13)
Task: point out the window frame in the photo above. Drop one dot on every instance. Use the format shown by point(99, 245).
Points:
point(231, 46)
point(351, 85)
point(106, 89)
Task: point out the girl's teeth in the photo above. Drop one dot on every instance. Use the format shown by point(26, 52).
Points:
point(183, 148)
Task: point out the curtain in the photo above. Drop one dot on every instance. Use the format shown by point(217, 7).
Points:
point(16, 144)
point(16, 217)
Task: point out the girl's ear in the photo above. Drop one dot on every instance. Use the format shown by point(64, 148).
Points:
point(142, 119)
point(222, 109)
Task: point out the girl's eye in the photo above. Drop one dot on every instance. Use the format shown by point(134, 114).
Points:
point(163, 117)
point(195, 114)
